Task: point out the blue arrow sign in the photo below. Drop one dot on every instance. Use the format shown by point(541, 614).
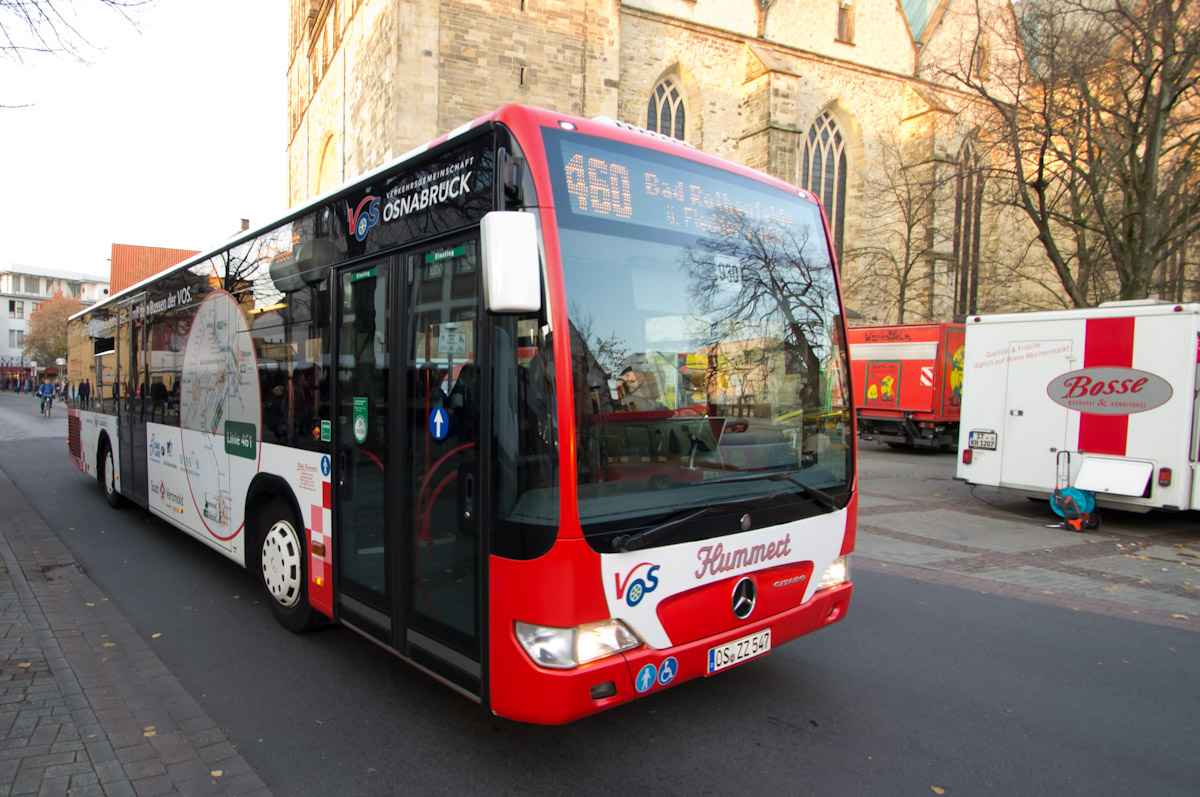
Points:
point(439, 423)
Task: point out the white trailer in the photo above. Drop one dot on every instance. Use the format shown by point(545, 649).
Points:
point(1101, 398)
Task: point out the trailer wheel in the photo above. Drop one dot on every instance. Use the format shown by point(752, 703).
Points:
point(283, 567)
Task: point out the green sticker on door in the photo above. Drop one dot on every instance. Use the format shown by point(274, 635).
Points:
point(360, 418)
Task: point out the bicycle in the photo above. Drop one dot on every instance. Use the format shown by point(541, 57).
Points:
point(47, 405)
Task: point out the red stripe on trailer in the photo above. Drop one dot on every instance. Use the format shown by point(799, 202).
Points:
point(1107, 342)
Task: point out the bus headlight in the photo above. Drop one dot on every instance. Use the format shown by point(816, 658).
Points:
point(564, 648)
point(838, 572)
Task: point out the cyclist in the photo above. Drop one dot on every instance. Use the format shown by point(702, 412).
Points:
point(46, 391)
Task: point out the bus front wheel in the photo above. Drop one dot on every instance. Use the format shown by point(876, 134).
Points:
point(283, 568)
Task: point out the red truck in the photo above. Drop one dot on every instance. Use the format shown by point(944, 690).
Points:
point(907, 381)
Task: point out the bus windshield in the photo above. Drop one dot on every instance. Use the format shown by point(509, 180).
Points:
point(706, 340)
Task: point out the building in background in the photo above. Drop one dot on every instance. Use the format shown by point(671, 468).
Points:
point(838, 96)
point(22, 289)
point(131, 264)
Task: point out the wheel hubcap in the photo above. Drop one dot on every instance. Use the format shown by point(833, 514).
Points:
point(110, 478)
point(281, 563)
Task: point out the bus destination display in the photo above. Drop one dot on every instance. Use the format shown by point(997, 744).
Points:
point(623, 187)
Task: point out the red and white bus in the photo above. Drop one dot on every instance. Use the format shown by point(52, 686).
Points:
point(553, 409)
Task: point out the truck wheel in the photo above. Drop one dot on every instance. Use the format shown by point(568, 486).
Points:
point(283, 567)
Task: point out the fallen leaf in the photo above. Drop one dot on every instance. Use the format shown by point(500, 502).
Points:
point(1180, 616)
point(24, 665)
point(155, 636)
point(108, 645)
point(150, 728)
point(148, 734)
point(936, 790)
point(89, 604)
point(1047, 592)
point(216, 773)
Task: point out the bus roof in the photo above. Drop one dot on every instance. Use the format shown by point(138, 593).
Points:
point(539, 116)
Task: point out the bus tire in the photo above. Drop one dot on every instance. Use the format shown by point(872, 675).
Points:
point(106, 475)
point(283, 567)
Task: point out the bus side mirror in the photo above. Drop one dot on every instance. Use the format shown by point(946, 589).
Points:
point(512, 274)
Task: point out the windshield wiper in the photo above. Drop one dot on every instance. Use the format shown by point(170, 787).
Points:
point(820, 496)
point(634, 542)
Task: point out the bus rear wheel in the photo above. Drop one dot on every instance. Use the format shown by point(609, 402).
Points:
point(283, 567)
point(107, 476)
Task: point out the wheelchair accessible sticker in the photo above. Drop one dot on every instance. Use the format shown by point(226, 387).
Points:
point(666, 673)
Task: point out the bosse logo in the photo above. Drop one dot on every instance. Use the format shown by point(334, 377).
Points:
point(1109, 391)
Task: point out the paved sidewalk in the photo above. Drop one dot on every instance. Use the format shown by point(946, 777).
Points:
point(914, 519)
point(86, 708)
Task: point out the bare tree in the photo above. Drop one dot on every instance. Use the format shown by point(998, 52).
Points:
point(783, 285)
point(900, 234)
point(1095, 111)
point(29, 27)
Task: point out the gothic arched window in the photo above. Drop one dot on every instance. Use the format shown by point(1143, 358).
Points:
point(665, 113)
point(824, 170)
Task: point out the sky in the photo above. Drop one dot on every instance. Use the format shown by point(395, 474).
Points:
point(170, 134)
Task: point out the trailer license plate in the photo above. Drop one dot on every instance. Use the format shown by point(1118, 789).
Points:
point(738, 650)
point(984, 440)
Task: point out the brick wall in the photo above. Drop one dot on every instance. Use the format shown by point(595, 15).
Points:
point(131, 264)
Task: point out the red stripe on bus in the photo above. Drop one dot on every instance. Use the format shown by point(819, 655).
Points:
point(1107, 342)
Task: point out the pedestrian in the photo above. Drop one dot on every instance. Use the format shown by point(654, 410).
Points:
point(85, 392)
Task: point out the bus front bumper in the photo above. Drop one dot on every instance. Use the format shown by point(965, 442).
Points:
point(523, 691)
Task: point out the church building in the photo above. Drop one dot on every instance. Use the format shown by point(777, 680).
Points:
point(841, 97)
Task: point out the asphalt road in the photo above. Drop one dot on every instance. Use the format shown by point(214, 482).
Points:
point(921, 686)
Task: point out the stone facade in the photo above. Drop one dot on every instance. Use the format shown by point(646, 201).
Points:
point(370, 79)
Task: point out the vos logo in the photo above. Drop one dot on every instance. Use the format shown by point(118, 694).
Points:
point(364, 217)
point(632, 590)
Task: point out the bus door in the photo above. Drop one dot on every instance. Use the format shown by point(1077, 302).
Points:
point(130, 390)
point(407, 456)
point(442, 421)
point(365, 483)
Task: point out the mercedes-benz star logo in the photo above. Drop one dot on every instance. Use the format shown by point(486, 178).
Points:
point(743, 598)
